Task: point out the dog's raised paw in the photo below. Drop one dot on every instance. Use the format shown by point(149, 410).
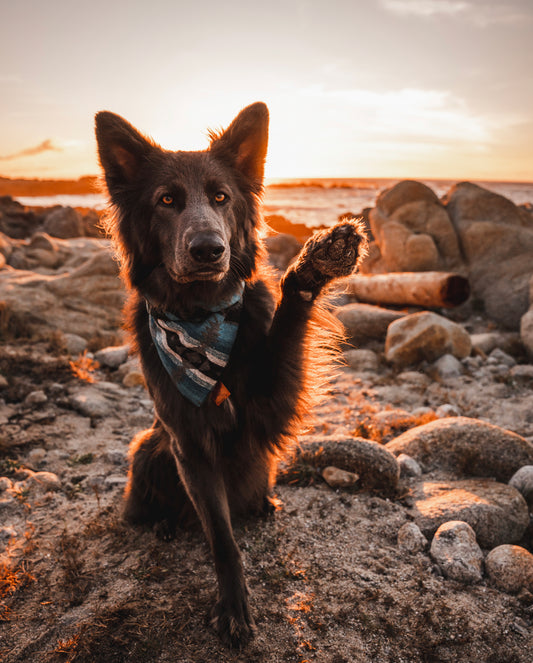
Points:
point(328, 255)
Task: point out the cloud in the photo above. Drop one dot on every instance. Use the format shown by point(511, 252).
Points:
point(46, 146)
point(426, 7)
point(481, 14)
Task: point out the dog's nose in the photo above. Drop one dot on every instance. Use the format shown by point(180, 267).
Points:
point(206, 248)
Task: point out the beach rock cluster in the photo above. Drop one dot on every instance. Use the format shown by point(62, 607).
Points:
point(471, 230)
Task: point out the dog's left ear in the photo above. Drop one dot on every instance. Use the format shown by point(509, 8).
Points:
point(244, 142)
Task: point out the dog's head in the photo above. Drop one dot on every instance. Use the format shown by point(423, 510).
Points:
point(186, 218)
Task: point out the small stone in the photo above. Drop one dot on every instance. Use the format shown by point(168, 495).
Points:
point(498, 356)
point(361, 360)
point(522, 372)
point(336, 478)
point(116, 456)
point(522, 480)
point(510, 568)
point(411, 539)
point(36, 456)
point(90, 403)
point(133, 379)
point(4, 384)
point(112, 357)
point(5, 484)
point(415, 378)
point(455, 549)
point(35, 399)
point(447, 367)
point(115, 481)
point(447, 410)
point(44, 481)
point(408, 466)
point(75, 345)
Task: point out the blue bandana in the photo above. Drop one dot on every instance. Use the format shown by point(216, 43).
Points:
point(195, 353)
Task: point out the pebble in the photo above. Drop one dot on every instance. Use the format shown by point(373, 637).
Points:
point(498, 356)
point(75, 345)
point(113, 356)
point(89, 402)
point(35, 399)
point(133, 379)
point(510, 568)
point(362, 360)
point(336, 478)
point(36, 456)
point(447, 367)
point(411, 539)
point(5, 484)
point(116, 456)
point(408, 466)
point(522, 372)
point(522, 480)
point(43, 481)
point(447, 410)
point(415, 378)
point(455, 549)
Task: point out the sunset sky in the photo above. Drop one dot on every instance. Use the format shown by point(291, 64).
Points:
point(369, 88)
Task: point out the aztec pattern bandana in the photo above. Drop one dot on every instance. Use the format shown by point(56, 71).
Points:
point(195, 352)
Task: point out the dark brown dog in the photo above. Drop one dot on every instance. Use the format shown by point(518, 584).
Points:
point(230, 370)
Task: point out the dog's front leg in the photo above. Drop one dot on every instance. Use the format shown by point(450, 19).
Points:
point(328, 255)
point(205, 485)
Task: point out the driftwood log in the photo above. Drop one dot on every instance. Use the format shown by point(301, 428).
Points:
point(426, 289)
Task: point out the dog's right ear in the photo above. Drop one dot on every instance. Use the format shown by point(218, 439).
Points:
point(121, 148)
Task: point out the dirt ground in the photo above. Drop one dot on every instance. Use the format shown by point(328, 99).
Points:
point(328, 581)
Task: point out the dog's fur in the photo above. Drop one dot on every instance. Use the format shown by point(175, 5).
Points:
point(180, 242)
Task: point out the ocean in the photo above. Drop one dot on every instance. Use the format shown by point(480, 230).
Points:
point(315, 202)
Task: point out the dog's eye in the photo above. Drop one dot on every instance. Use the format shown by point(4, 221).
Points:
point(167, 200)
point(220, 197)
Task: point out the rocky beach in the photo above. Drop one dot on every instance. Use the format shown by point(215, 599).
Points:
point(405, 528)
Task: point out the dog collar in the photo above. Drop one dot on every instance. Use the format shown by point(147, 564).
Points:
point(195, 353)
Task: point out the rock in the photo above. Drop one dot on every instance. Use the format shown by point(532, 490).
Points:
point(35, 399)
point(64, 222)
point(86, 300)
point(16, 221)
point(498, 356)
point(375, 466)
point(6, 246)
point(411, 539)
point(526, 332)
point(424, 336)
point(510, 568)
point(74, 344)
point(134, 378)
point(91, 224)
point(282, 249)
point(468, 447)
point(454, 548)
point(36, 456)
point(5, 484)
point(415, 378)
point(90, 402)
point(485, 342)
point(496, 512)
point(522, 480)
point(43, 481)
point(412, 231)
point(117, 456)
point(115, 481)
point(336, 478)
point(522, 372)
point(112, 357)
point(363, 322)
point(362, 360)
point(498, 247)
point(447, 410)
point(447, 367)
point(408, 466)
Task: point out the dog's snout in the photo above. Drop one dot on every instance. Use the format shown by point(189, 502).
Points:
point(206, 248)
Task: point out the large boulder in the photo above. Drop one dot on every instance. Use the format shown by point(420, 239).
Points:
point(86, 298)
point(363, 322)
point(425, 336)
point(496, 240)
point(413, 232)
point(466, 447)
point(65, 223)
point(497, 513)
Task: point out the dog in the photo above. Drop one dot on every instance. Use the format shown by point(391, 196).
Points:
point(229, 358)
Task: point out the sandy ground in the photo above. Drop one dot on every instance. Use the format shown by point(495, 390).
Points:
point(328, 581)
